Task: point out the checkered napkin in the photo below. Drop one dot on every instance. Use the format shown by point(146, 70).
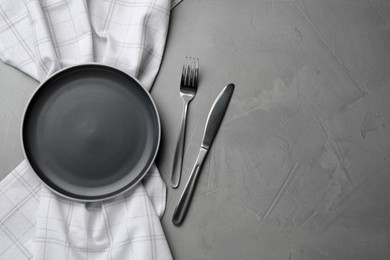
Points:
point(39, 37)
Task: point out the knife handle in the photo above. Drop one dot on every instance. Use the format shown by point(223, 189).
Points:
point(185, 199)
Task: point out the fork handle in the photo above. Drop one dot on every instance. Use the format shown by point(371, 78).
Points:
point(178, 159)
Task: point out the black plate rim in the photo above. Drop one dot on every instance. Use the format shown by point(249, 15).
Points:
point(139, 177)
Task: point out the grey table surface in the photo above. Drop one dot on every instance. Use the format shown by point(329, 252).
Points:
point(300, 168)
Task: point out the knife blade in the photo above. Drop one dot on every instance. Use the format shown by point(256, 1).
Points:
point(214, 120)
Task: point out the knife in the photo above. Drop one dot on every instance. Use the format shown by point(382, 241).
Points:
point(214, 120)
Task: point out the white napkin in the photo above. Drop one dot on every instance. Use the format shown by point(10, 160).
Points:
point(39, 37)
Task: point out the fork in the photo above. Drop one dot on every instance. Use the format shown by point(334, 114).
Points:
point(188, 87)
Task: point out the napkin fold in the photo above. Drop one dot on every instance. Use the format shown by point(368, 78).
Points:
point(40, 37)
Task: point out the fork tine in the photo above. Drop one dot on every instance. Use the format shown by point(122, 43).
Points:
point(188, 71)
point(188, 74)
point(192, 77)
point(183, 72)
point(196, 73)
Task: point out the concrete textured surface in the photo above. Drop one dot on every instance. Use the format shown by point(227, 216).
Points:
point(300, 168)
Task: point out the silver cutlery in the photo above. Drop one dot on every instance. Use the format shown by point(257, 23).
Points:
point(213, 123)
point(188, 87)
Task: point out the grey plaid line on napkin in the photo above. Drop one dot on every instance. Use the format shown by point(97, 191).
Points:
point(40, 37)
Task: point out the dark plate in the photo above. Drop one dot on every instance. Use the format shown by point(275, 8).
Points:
point(90, 132)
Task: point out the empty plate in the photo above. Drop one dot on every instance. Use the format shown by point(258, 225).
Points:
point(90, 132)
